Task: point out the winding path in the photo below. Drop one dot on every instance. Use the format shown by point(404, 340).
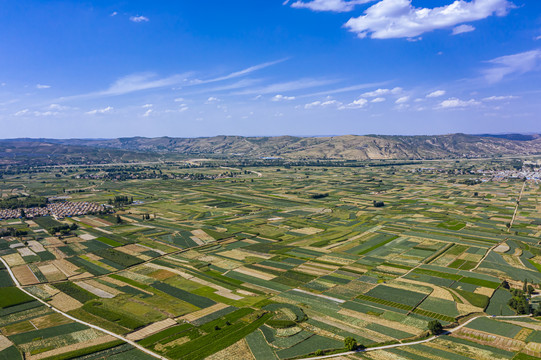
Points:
point(450, 331)
point(132, 343)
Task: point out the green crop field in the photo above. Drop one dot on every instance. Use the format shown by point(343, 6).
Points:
point(280, 265)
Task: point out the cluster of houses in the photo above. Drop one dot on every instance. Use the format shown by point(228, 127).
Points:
point(58, 210)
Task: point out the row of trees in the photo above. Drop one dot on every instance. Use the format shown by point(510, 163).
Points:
point(15, 202)
point(121, 200)
point(12, 232)
point(63, 229)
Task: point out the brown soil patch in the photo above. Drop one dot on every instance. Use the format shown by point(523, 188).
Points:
point(50, 320)
point(202, 235)
point(65, 302)
point(196, 315)
point(161, 274)
point(67, 268)
point(237, 351)
point(4, 342)
point(51, 272)
point(25, 275)
point(151, 329)
point(14, 259)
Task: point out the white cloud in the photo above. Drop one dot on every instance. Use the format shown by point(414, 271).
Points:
point(357, 104)
point(500, 98)
point(312, 104)
point(22, 112)
point(45, 113)
point(147, 106)
point(378, 100)
point(106, 110)
point(452, 103)
point(402, 100)
point(461, 29)
point(513, 64)
point(400, 19)
point(183, 108)
point(537, 37)
point(179, 99)
point(40, 86)
point(282, 98)
point(379, 92)
point(328, 5)
point(138, 19)
point(114, 13)
point(402, 106)
point(58, 107)
point(435, 94)
point(325, 103)
point(212, 100)
point(147, 113)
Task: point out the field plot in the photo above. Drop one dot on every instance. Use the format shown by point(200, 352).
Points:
point(279, 266)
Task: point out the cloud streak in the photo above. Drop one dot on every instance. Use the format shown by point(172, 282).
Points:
point(328, 5)
point(244, 72)
point(285, 87)
point(148, 81)
point(513, 64)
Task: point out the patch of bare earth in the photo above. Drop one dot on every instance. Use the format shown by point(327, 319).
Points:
point(64, 302)
point(237, 351)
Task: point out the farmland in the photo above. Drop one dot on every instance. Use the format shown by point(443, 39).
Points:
point(258, 263)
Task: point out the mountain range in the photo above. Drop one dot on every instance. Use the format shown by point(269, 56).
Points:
point(346, 147)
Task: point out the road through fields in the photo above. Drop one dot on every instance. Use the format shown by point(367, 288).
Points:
point(132, 343)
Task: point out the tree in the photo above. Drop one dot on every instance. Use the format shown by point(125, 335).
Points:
point(505, 284)
point(525, 286)
point(530, 290)
point(435, 327)
point(519, 302)
point(318, 352)
point(350, 343)
point(118, 219)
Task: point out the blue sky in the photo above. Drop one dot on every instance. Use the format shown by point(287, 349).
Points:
point(108, 69)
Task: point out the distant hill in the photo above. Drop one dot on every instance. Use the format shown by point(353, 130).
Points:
point(518, 137)
point(51, 152)
point(348, 147)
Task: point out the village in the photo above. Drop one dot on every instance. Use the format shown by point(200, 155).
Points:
point(58, 210)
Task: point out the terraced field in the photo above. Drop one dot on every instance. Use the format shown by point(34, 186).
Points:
point(266, 267)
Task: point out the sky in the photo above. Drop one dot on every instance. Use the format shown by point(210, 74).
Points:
point(107, 69)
